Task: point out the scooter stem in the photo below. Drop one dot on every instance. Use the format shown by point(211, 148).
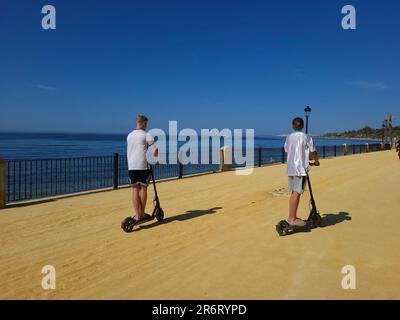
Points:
point(154, 182)
point(309, 186)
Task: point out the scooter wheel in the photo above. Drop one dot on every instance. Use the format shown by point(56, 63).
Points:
point(282, 228)
point(316, 220)
point(160, 215)
point(128, 224)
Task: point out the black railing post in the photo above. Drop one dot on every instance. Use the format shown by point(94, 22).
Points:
point(354, 149)
point(3, 183)
point(180, 170)
point(19, 180)
point(324, 152)
point(283, 155)
point(259, 157)
point(25, 178)
point(30, 180)
point(115, 172)
point(335, 152)
point(14, 181)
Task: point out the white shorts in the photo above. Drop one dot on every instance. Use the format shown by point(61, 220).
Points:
point(297, 184)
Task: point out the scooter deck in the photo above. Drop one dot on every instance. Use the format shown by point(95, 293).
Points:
point(142, 221)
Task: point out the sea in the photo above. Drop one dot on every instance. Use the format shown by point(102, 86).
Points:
point(20, 146)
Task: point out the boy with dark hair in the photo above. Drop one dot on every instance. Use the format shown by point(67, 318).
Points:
point(299, 148)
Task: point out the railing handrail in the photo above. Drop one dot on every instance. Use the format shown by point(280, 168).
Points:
point(53, 159)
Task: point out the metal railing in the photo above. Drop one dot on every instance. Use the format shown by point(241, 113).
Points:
point(33, 179)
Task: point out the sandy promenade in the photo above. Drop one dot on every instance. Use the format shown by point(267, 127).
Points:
point(218, 240)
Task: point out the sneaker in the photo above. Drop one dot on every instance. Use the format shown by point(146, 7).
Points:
point(298, 223)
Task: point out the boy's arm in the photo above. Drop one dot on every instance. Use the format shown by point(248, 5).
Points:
point(313, 149)
point(285, 145)
point(314, 156)
point(154, 149)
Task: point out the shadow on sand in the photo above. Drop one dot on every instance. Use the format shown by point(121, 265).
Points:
point(328, 220)
point(191, 214)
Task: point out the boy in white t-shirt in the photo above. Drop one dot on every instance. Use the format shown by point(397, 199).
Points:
point(300, 149)
point(138, 141)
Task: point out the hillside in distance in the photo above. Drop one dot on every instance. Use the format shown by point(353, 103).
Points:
point(364, 133)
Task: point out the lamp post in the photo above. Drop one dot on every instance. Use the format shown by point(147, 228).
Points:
point(383, 131)
point(307, 112)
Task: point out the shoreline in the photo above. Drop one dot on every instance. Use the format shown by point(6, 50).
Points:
point(333, 138)
point(355, 139)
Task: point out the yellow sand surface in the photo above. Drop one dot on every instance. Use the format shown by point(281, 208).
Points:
point(218, 240)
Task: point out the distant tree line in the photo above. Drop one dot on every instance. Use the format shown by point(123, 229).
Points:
point(364, 133)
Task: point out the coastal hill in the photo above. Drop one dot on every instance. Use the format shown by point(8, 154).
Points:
point(364, 133)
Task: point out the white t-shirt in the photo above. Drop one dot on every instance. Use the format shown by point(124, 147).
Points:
point(298, 147)
point(138, 143)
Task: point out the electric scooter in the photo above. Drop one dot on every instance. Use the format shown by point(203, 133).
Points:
point(129, 223)
point(314, 219)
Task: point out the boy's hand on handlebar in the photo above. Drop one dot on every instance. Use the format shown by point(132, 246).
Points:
point(316, 163)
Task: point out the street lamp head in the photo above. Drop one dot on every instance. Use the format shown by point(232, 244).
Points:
point(307, 111)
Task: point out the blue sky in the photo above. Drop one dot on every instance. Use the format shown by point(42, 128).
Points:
point(233, 64)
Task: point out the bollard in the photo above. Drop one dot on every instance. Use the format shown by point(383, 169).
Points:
point(366, 147)
point(221, 159)
point(225, 162)
point(3, 183)
point(345, 149)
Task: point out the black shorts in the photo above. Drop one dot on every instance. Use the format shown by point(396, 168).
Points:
point(139, 177)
